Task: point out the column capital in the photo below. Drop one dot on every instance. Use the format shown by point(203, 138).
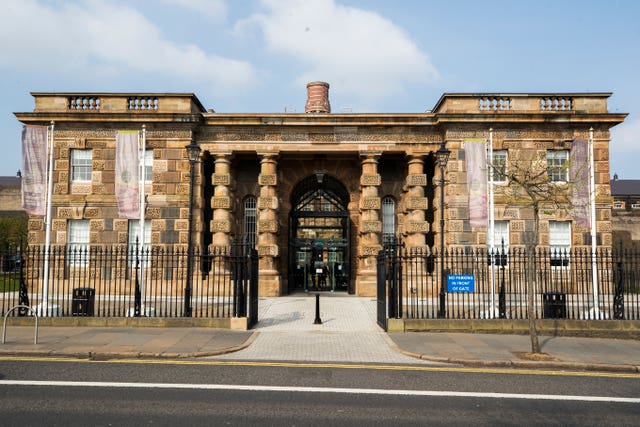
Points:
point(415, 158)
point(268, 155)
point(370, 155)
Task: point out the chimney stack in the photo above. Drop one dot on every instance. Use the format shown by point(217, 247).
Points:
point(317, 98)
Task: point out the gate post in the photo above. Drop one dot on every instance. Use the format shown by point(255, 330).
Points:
point(382, 289)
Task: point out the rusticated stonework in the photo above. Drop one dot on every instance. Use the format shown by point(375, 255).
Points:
point(417, 226)
point(370, 179)
point(223, 226)
point(267, 202)
point(220, 179)
point(418, 203)
point(371, 203)
point(267, 226)
point(367, 251)
point(371, 226)
point(417, 179)
point(267, 179)
point(222, 202)
point(268, 250)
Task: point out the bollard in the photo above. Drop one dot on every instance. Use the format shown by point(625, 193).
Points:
point(318, 321)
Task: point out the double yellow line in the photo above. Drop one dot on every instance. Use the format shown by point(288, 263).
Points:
point(481, 370)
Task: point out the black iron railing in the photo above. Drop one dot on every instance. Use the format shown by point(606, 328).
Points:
point(123, 281)
point(495, 285)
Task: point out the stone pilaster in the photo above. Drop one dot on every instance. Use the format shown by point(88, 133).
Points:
point(370, 225)
point(268, 227)
point(222, 188)
point(415, 203)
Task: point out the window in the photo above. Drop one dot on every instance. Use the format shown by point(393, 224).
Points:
point(81, 165)
point(78, 242)
point(135, 238)
point(249, 218)
point(500, 242)
point(388, 219)
point(499, 166)
point(559, 242)
point(618, 205)
point(148, 165)
point(557, 165)
point(635, 205)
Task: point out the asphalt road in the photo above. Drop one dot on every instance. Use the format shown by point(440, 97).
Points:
point(64, 392)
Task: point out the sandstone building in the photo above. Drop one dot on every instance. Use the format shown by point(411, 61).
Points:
point(316, 189)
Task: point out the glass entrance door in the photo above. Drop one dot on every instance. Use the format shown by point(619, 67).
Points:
point(319, 236)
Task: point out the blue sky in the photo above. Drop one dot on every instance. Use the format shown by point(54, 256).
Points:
point(378, 55)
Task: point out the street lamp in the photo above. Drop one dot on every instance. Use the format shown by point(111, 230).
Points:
point(193, 153)
point(442, 156)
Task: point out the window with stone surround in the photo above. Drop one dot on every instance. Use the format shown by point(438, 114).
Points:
point(148, 165)
point(559, 243)
point(557, 165)
point(499, 166)
point(77, 242)
point(249, 217)
point(388, 218)
point(81, 165)
point(143, 244)
point(500, 243)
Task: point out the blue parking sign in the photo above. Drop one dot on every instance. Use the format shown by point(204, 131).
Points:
point(460, 282)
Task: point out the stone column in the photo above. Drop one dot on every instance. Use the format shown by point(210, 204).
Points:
point(221, 202)
point(370, 225)
point(415, 225)
point(268, 227)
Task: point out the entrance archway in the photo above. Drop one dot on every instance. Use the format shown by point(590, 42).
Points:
point(319, 230)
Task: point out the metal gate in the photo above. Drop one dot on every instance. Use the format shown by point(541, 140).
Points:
point(244, 259)
point(389, 276)
point(382, 291)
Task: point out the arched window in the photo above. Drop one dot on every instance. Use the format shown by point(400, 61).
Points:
point(249, 217)
point(388, 218)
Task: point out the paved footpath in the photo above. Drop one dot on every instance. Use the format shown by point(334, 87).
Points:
point(348, 333)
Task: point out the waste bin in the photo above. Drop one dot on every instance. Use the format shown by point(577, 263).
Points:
point(554, 305)
point(82, 302)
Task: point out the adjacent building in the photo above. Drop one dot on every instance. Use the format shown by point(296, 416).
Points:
point(626, 212)
point(318, 192)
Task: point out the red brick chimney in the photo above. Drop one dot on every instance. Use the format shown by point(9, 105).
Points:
point(317, 98)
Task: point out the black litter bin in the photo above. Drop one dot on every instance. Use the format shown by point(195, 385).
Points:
point(82, 302)
point(554, 305)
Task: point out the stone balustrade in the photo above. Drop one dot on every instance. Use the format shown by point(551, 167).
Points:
point(101, 103)
point(467, 103)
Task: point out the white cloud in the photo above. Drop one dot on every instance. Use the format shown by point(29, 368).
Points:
point(214, 10)
point(79, 39)
point(625, 140)
point(358, 52)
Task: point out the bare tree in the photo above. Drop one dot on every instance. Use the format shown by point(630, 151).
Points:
point(529, 184)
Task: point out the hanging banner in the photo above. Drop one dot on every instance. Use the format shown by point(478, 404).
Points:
point(476, 159)
point(34, 169)
point(127, 180)
point(579, 176)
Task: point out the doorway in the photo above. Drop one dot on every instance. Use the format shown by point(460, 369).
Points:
point(319, 230)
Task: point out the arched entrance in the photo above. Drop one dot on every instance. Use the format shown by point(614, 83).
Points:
point(319, 229)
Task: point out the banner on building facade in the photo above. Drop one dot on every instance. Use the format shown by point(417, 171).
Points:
point(127, 177)
point(475, 152)
point(579, 176)
point(34, 168)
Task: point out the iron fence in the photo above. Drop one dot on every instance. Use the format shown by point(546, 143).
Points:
point(123, 281)
point(570, 284)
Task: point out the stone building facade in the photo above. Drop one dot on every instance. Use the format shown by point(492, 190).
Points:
point(625, 219)
point(316, 190)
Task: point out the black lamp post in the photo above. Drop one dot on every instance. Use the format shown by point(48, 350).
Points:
point(193, 153)
point(442, 156)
